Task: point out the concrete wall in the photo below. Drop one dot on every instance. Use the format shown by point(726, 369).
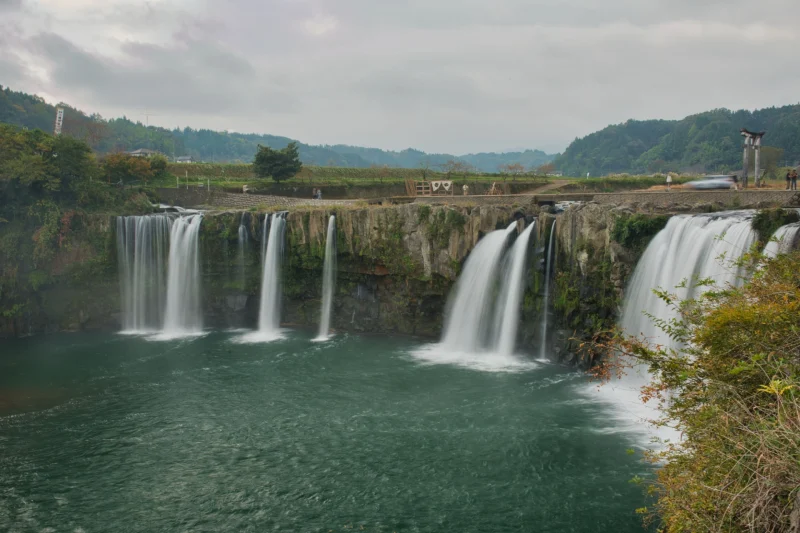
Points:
point(678, 200)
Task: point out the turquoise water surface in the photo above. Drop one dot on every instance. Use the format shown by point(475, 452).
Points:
point(103, 432)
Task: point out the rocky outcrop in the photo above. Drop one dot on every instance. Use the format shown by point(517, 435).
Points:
point(58, 276)
point(592, 270)
point(396, 264)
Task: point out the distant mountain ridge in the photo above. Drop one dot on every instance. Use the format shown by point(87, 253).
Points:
point(120, 134)
point(706, 142)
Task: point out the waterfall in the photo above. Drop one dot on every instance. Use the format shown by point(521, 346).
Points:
point(509, 305)
point(469, 321)
point(689, 248)
point(328, 280)
point(546, 304)
point(142, 247)
point(483, 309)
point(269, 318)
point(241, 250)
point(782, 241)
point(183, 316)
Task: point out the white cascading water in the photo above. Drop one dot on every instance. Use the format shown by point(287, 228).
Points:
point(508, 307)
point(468, 324)
point(782, 241)
point(546, 304)
point(690, 247)
point(269, 316)
point(142, 248)
point(473, 334)
point(328, 281)
point(183, 316)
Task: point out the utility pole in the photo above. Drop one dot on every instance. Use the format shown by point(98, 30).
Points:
point(147, 114)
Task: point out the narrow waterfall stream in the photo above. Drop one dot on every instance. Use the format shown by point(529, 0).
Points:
point(546, 304)
point(689, 248)
point(269, 315)
point(509, 305)
point(782, 241)
point(328, 281)
point(142, 248)
point(183, 316)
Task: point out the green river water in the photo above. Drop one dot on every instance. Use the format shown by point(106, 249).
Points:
point(103, 432)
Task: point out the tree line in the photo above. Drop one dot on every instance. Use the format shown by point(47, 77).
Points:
point(705, 143)
point(124, 134)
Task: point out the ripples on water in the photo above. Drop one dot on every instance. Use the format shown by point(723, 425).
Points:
point(105, 433)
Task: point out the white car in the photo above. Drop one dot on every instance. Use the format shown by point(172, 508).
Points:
point(712, 182)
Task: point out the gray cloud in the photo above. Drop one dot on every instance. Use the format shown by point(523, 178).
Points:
point(449, 75)
point(186, 77)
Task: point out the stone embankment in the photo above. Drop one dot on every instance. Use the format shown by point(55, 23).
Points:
point(679, 201)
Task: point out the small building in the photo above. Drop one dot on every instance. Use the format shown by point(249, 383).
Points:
point(142, 152)
point(184, 159)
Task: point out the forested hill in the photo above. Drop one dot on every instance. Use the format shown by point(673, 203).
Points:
point(119, 134)
point(708, 142)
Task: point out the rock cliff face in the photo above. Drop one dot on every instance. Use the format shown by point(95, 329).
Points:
point(593, 268)
point(58, 276)
point(396, 266)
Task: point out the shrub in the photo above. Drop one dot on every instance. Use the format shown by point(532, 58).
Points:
point(767, 221)
point(733, 391)
point(635, 231)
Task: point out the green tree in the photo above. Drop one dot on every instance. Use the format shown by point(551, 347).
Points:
point(158, 164)
point(277, 164)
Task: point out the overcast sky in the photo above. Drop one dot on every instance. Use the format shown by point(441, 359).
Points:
point(439, 75)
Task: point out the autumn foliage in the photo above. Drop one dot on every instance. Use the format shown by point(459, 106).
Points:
point(125, 169)
point(732, 391)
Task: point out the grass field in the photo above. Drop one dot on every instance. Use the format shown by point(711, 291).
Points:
point(236, 175)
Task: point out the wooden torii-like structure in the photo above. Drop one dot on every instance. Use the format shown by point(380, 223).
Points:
point(752, 139)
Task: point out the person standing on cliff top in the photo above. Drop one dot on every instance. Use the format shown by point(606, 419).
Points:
point(669, 181)
point(794, 180)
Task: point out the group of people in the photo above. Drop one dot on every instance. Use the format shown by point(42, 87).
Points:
point(316, 194)
point(791, 179)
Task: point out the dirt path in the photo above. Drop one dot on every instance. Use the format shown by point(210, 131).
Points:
point(555, 184)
